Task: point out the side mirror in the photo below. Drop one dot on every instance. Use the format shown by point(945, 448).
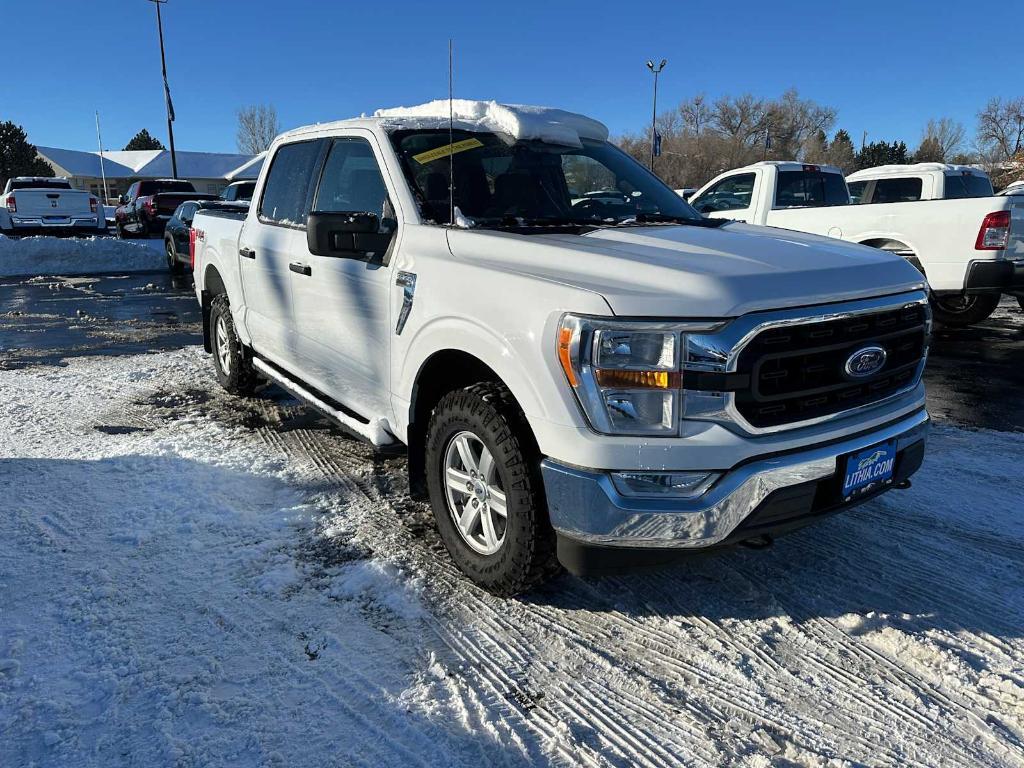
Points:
point(122, 199)
point(351, 235)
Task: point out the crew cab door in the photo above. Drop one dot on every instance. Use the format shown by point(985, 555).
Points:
point(273, 232)
point(729, 198)
point(341, 299)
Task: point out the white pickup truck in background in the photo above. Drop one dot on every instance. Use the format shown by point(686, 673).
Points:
point(580, 365)
point(917, 181)
point(970, 249)
point(34, 205)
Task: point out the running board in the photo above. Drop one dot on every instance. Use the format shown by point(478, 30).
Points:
point(374, 431)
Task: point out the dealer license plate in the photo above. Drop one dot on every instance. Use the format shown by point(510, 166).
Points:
point(869, 469)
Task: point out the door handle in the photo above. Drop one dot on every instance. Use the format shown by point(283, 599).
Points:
point(247, 253)
point(302, 269)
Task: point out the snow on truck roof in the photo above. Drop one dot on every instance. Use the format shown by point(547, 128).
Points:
point(555, 126)
point(788, 165)
point(910, 169)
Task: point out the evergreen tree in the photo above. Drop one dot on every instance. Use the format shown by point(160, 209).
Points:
point(842, 153)
point(143, 140)
point(930, 151)
point(17, 156)
point(883, 153)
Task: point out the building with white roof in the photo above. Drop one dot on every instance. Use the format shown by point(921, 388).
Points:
point(208, 171)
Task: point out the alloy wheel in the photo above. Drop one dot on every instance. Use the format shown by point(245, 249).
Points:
point(476, 498)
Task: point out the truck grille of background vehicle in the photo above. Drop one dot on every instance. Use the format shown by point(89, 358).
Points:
point(797, 372)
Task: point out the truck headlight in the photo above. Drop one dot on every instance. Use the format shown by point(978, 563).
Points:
point(626, 374)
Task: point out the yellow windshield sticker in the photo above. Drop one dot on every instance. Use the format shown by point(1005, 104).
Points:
point(448, 149)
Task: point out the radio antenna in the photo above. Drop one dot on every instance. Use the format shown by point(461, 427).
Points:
point(451, 139)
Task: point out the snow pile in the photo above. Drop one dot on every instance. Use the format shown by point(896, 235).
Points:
point(554, 126)
point(72, 256)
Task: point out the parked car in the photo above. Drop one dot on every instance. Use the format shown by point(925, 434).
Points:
point(34, 205)
point(918, 181)
point(178, 232)
point(148, 205)
point(971, 250)
point(238, 191)
point(575, 382)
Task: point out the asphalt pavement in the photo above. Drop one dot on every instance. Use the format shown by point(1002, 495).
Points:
point(975, 376)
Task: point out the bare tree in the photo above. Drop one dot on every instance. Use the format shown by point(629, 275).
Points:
point(1001, 129)
point(941, 139)
point(257, 127)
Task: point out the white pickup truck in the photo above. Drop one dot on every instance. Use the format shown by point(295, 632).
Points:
point(970, 249)
point(917, 181)
point(597, 380)
point(37, 205)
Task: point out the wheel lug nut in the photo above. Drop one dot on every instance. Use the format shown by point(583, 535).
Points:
point(476, 503)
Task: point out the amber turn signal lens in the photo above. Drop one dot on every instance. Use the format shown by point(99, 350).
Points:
point(565, 356)
point(622, 379)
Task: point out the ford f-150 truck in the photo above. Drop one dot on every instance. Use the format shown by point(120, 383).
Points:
point(33, 205)
point(971, 250)
point(603, 382)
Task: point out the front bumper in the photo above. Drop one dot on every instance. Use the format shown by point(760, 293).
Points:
point(749, 500)
point(995, 277)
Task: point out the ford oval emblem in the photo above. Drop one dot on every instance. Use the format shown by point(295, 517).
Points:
point(865, 362)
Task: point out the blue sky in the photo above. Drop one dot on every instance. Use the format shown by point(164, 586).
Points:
point(886, 66)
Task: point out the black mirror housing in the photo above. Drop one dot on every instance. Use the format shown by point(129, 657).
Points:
point(353, 235)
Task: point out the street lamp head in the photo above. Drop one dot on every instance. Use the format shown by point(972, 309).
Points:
point(663, 63)
point(650, 65)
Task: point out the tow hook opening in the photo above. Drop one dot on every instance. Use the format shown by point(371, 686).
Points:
point(758, 542)
point(902, 485)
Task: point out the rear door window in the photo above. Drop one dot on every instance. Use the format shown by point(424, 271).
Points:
point(899, 190)
point(731, 194)
point(810, 189)
point(857, 190)
point(287, 186)
point(960, 185)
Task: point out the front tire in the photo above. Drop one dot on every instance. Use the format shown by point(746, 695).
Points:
point(960, 311)
point(486, 492)
point(233, 368)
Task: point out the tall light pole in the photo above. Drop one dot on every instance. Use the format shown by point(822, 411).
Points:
point(654, 111)
point(167, 89)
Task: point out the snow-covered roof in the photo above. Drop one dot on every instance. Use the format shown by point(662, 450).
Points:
point(911, 169)
point(555, 126)
point(789, 165)
point(147, 164)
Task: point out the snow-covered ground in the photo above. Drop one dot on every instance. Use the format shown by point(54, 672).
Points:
point(189, 579)
point(78, 256)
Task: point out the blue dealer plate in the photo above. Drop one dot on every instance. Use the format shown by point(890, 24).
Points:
point(868, 469)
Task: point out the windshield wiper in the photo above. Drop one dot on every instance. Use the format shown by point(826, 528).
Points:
point(668, 218)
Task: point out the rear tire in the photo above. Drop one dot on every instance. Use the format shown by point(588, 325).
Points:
point(119, 231)
point(520, 552)
point(175, 266)
point(233, 367)
point(1020, 301)
point(961, 311)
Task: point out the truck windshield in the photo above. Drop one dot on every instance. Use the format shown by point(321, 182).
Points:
point(499, 181)
point(959, 185)
point(810, 189)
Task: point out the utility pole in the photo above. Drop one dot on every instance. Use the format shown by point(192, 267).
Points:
point(167, 89)
point(654, 112)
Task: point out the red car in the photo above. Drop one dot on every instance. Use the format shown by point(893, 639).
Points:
point(148, 205)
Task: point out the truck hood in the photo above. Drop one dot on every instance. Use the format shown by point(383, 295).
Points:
point(687, 271)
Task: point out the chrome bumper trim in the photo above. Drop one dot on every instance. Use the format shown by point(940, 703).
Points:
point(584, 504)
